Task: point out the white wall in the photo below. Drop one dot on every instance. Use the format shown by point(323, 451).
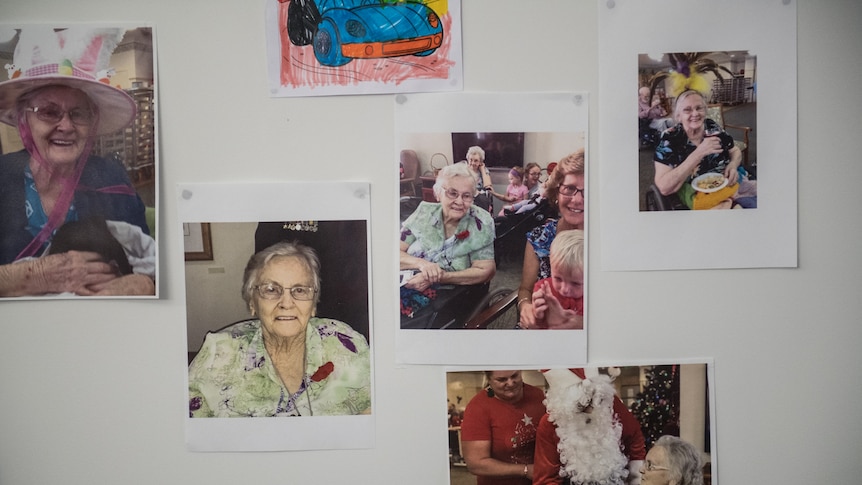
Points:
point(92, 392)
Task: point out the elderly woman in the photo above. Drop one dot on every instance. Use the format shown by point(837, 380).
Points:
point(697, 146)
point(565, 191)
point(285, 362)
point(59, 111)
point(476, 161)
point(449, 242)
point(672, 461)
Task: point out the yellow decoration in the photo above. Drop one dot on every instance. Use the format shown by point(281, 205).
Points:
point(65, 68)
point(708, 201)
point(680, 83)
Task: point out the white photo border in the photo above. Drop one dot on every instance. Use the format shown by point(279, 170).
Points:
point(756, 238)
point(243, 202)
point(491, 112)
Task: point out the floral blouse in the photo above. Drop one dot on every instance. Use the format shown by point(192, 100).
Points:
point(233, 375)
point(540, 238)
point(424, 234)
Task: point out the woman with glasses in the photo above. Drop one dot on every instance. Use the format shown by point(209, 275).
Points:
point(449, 242)
point(565, 192)
point(672, 461)
point(698, 160)
point(286, 361)
point(59, 109)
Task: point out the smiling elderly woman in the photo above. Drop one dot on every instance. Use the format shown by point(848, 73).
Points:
point(697, 146)
point(59, 111)
point(287, 362)
point(450, 242)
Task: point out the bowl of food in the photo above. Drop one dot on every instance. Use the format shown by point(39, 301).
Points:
point(709, 182)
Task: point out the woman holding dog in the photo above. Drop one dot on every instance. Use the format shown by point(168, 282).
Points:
point(59, 109)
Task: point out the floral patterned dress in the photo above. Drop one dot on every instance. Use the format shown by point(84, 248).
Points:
point(233, 375)
point(425, 236)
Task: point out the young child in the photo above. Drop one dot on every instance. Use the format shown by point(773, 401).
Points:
point(515, 192)
point(566, 284)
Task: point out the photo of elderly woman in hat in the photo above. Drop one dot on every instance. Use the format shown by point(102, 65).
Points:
point(60, 108)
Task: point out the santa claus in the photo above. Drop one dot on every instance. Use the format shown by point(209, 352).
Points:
point(588, 436)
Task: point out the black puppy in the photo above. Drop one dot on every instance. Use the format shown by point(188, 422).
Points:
point(91, 235)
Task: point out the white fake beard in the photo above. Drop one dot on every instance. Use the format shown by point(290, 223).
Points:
point(589, 442)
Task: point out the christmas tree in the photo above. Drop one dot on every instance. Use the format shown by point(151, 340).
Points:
point(657, 406)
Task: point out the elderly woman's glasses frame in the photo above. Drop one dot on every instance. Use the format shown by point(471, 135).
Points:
point(650, 466)
point(572, 190)
point(274, 291)
point(53, 113)
point(453, 194)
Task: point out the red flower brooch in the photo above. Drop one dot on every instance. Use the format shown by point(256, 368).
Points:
point(462, 235)
point(323, 372)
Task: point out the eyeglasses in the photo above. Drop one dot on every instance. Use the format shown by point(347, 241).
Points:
point(650, 466)
point(52, 113)
point(535, 174)
point(274, 291)
point(453, 194)
point(571, 190)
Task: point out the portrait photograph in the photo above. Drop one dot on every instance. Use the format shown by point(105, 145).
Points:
point(492, 224)
point(78, 161)
point(707, 177)
point(586, 424)
point(278, 326)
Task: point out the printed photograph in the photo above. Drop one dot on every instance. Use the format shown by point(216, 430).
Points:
point(279, 331)
point(697, 130)
point(278, 321)
point(492, 231)
point(614, 425)
point(78, 178)
point(486, 183)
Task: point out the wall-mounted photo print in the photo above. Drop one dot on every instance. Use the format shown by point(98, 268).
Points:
point(492, 228)
point(326, 47)
point(78, 181)
point(619, 425)
point(278, 325)
point(697, 131)
point(707, 177)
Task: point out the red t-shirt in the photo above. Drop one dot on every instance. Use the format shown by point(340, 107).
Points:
point(568, 303)
point(546, 468)
point(511, 429)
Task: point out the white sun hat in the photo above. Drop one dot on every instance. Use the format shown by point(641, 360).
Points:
point(77, 57)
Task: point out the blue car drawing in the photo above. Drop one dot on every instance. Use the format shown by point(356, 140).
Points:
point(343, 30)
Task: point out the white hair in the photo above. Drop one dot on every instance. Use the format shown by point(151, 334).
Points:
point(589, 442)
